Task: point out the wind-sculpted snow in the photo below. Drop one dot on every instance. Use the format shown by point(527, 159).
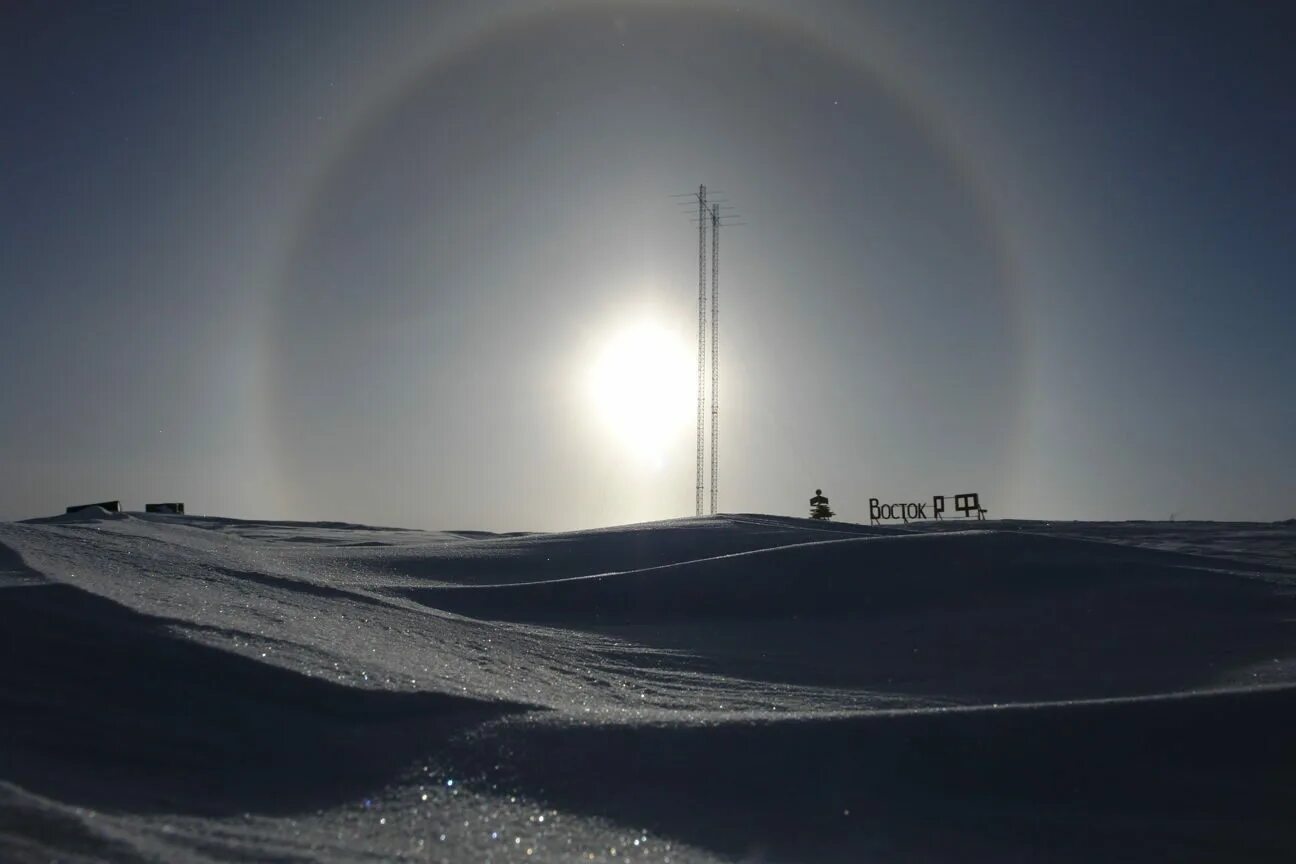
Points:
point(861, 575)
point(736, 688)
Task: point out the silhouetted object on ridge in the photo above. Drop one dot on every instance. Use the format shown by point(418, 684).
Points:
point(717, 214)
point(969, 505)
point(819, 506)
point(110, 506)
point(174, 507)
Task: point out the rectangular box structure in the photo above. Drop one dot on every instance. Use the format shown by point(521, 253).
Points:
point(176, 507)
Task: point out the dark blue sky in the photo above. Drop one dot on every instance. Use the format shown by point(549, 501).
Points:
point(382, 262)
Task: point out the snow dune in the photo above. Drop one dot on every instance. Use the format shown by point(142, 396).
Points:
point(742, 687)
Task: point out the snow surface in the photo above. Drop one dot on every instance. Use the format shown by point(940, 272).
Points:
point(740, 688)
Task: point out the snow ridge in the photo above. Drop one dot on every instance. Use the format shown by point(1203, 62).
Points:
point(740, 687)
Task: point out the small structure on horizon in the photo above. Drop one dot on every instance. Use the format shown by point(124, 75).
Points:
point(110, 506)
point(970, 505)
point(174, 507)
point(819, 506)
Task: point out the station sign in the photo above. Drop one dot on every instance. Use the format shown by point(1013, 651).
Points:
point(967, 505)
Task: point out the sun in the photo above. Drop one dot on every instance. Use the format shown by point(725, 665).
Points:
point(642, 384)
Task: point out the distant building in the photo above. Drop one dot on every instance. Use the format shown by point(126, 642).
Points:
point(110, 506)
point(176, 507)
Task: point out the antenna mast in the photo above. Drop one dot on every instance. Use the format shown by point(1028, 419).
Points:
point(715, 213)
point(701, 381)
point(715, 356)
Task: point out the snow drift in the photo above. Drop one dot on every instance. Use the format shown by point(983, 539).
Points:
point(733, 688)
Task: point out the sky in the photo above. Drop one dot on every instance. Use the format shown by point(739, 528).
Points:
point(419, 264)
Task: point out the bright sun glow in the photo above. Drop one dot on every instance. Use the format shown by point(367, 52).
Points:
point(643, 385)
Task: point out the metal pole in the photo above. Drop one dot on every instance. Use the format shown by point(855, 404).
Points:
point(715, 356)
point(701, 394)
